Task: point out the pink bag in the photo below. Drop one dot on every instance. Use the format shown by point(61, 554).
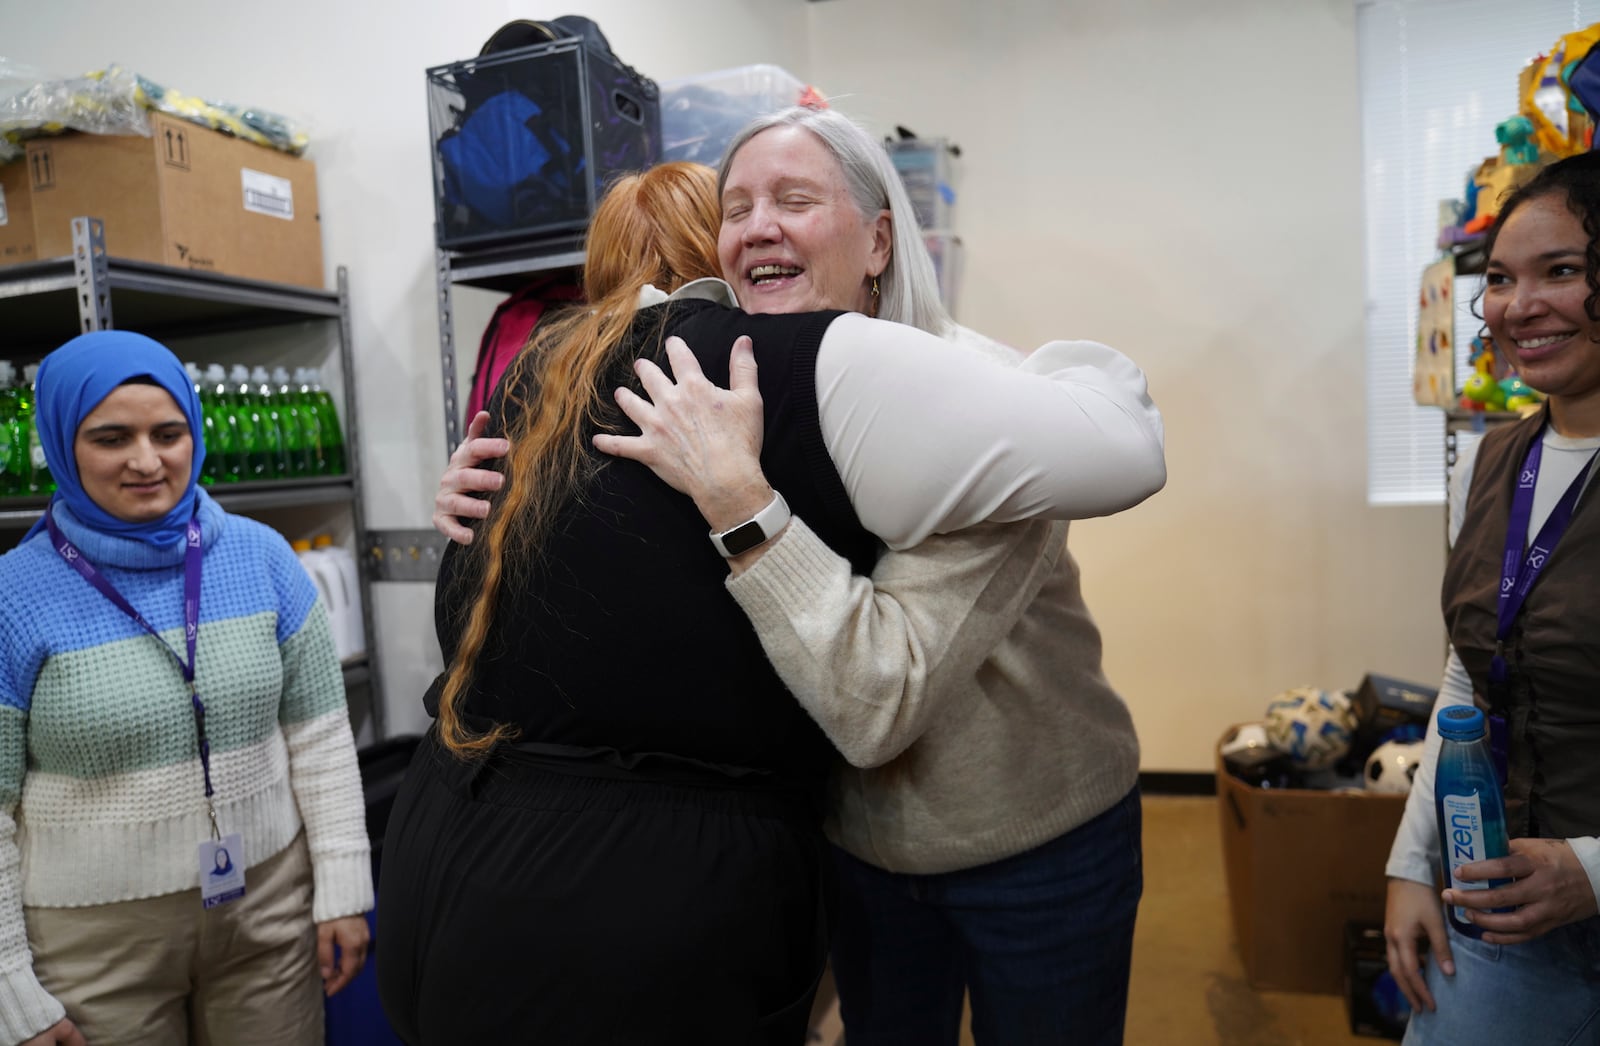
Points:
point(510, 328)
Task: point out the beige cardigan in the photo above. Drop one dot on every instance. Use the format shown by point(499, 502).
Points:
point(962, 682)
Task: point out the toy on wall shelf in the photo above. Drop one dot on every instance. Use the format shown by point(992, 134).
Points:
point(1561, 123)
point(1493, 385)
point(1517, 394)
point(1495, 181)
point(1481, 392)
point(1515, 136)
point(1433, 369)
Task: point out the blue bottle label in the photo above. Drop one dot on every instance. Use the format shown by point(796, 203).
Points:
point(1465, 839)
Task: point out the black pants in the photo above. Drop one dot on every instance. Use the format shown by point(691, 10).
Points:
point(525, 903)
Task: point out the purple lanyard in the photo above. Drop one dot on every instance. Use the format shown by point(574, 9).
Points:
point(192, 555)
point(1520, 570)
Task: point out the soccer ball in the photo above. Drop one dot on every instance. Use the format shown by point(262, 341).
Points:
point(1313, 727)
point(1392, 766)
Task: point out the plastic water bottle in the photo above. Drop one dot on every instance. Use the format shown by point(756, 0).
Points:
point(328, 421)
point(38, 469)
point(1470, 806)
point(12, 446)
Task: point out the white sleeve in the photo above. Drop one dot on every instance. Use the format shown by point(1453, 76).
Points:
point(1415, 853)
point(930, 437)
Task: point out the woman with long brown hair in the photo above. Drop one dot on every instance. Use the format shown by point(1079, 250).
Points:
point(613, 833)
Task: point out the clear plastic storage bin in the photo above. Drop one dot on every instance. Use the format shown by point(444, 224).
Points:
point(946, 250)
point(927, 167)
point(525, 141)
point(701, 114)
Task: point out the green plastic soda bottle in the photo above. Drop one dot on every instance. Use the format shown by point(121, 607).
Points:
point(328, 421)
point(271, 422)
point(39, 479)
point(247, 422)
point(310, 422)
point(211, 471)
point(222, 432)
point(286, 409)
point(11, 445)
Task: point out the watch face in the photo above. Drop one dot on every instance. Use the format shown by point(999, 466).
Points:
point(743, 538)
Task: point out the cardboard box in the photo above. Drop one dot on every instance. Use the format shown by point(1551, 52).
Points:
point(188, 197)
point(1301, 864)
point(17, 242)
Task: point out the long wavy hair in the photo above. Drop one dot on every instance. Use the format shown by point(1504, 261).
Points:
point(658, 227)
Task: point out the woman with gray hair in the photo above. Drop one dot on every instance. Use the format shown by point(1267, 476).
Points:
point(987, 828)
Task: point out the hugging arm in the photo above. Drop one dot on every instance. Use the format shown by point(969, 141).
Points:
point(876, 659)
point(456, 499)
point(931, 436)
point(928, 436)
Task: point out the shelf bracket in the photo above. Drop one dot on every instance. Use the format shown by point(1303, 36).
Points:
point(94, 285)
point(447, 351)
point(403, 555)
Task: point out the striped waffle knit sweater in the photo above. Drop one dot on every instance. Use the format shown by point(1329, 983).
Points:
point(101, 791)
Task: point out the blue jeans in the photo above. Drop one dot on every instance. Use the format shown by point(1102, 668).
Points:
point(1544, 991)
point(1042, 940)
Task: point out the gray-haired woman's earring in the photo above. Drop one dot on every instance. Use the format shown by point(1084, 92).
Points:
point(874, 287)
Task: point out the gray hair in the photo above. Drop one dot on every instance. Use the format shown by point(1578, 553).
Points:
point(908, 289)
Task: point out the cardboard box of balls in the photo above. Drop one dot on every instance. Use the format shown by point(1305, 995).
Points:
point(1300, 864)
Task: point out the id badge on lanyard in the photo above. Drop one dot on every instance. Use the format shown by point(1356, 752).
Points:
point(1521, 566)
point(221, 858)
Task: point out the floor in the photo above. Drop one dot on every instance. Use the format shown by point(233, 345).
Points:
point(1189, 987)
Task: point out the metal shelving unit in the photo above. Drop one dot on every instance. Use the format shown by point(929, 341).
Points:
point(1476, 422)
point(42, 303)
point(414, 555)
point(503, 268)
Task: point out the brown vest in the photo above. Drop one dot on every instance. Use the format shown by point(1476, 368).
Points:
point(1553, 701)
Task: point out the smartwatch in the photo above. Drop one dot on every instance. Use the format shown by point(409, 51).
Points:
point(754, 531)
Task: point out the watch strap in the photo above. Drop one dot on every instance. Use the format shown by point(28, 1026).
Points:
point(753, 531)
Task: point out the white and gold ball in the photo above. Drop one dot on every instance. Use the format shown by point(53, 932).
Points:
point(1313, 727)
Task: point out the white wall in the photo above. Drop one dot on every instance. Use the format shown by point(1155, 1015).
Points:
point(1182, 180)
point(1179, 179)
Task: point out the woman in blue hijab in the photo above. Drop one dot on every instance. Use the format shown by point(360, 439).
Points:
point(168, 690)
